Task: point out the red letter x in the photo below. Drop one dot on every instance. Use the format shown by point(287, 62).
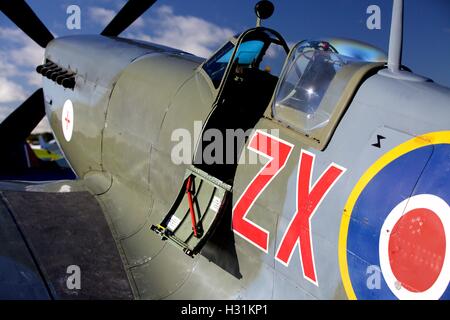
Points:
point(308, 200)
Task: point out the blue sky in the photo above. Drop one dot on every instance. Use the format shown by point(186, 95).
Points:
point(201, 26)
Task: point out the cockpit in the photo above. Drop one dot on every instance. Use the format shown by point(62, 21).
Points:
point(305, 89)
point(307, 85)
point(258, 50)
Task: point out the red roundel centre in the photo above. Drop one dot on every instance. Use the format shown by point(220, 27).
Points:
point(417, 249)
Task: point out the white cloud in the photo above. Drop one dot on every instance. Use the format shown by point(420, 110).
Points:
point(24, 51)
point(34, 79)
point(13, 35)
point(28, 55)
point(11, 91)
point(101, 15)
point(104, 16)
point(4, 112)
point(19, 57)
point(188, 33)
point(7, 69)
point(139, 23)
point(43, 126)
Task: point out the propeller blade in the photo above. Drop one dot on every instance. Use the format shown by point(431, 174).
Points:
point(23, 16)
point(19, 124)
point(132, 10)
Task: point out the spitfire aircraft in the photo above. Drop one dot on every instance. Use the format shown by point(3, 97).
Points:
point(348, 196)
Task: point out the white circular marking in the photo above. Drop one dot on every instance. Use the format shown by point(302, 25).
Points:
point(67, 120)
point(65, 188)
point(442, 210)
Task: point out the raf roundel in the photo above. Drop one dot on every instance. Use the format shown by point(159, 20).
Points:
point(67, 120)
point(414, 250)
point(397, 221)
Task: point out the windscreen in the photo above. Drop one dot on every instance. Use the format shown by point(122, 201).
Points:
point(303, 84)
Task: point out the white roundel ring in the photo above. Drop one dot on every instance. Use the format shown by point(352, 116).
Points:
point(67, 120)
point(414, 248)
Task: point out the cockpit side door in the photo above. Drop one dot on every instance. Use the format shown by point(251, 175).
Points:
point(244, 93)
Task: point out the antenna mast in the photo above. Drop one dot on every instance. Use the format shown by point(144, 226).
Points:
point(394, 66)
point(396, 39)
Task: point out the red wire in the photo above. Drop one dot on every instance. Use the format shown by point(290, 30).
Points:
point(191, 206)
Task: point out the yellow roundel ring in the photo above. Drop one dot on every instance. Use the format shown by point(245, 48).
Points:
point(441, 137)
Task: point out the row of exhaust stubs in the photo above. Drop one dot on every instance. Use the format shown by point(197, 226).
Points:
point(61, 76)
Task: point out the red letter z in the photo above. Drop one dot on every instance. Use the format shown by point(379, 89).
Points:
point(277, 151)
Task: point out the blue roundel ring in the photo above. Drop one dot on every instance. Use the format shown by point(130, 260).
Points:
point(397, 218)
